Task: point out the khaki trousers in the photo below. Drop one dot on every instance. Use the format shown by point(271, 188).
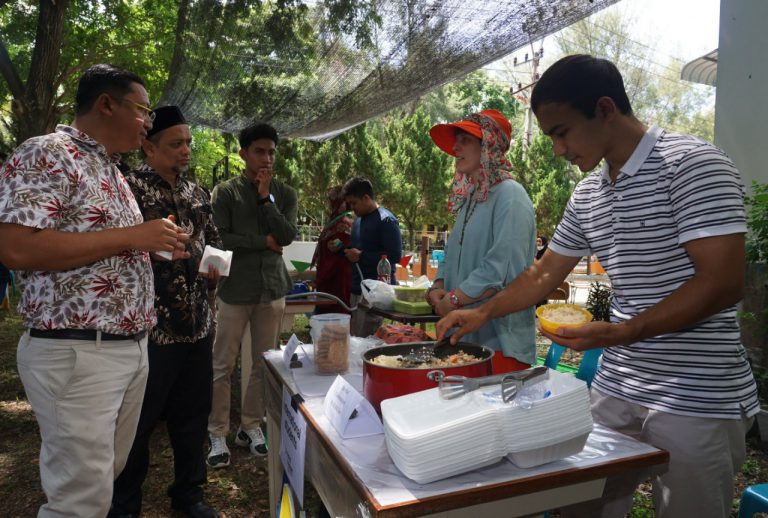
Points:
point(87, 399)
point(704, 456)
point(265, 322)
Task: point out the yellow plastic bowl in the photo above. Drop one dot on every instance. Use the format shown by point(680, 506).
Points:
point(550, 326)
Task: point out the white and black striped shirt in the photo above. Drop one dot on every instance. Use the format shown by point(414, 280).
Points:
point(673, 189)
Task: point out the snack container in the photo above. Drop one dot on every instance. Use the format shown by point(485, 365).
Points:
point(330, 342)
point(410, 294)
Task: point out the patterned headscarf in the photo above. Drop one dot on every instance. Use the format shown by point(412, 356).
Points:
point(336, 199)
point(339, 216)
point(494, 167)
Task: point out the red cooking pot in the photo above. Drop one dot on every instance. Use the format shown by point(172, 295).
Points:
point(381, 382)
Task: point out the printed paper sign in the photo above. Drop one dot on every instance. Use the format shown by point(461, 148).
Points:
point(291, 347)
point(293, 440)
point(349, 412)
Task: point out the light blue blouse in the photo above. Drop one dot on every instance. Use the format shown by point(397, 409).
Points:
point(499, 244)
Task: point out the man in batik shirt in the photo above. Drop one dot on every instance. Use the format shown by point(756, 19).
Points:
point(70, 226)
point(180, 344)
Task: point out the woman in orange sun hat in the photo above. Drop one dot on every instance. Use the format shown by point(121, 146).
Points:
point(493, 239)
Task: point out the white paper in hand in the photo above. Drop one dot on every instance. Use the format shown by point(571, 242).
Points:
point(220, 259)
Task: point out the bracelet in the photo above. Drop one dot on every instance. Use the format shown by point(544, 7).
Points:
point(453, 299)
point(428, 292)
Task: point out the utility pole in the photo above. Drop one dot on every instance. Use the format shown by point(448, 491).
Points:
point(532, 60)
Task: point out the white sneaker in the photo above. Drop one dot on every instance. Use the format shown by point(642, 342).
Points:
point(253, 440)
point(218, 455)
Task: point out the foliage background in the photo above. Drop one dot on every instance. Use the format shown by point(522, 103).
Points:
point(410, 174)
point(45, 45)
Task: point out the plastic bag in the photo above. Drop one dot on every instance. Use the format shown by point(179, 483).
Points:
point(378, 294)
point(358, 346)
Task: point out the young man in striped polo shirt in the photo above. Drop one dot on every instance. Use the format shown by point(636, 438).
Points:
point(665, 217)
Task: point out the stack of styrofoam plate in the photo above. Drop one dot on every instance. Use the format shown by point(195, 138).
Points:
point(430, 438)
point(552, 428)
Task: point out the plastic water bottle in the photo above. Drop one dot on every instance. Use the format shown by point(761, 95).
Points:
point(384, 269)
point(529, 395)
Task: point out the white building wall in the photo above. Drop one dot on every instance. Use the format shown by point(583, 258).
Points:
point(741, 106)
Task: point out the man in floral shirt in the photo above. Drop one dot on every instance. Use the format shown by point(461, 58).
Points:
point(71, 227)
point(180, 344)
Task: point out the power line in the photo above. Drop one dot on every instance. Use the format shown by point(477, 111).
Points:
point(629, 39)
point(607, 29)
point(643, 58)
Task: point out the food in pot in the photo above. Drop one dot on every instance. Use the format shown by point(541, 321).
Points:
point(398, 361)
point(332, 349)
point(381, 382)
point(564, 315)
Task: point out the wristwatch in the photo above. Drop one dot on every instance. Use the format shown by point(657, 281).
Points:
point(267, 199)
point(454, 300)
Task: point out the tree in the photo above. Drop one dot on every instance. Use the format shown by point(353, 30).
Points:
point(478, 91)
point(207, 147)
point(53, 41)
point(549, 180)
point(69, 36)
point(473, 93)
point(419, 175)
point(33, 101)
point(313, 167)
point(655, 90)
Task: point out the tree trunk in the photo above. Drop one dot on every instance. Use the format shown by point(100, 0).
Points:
point(182, 20)
point(34, 109)
point(411, 226)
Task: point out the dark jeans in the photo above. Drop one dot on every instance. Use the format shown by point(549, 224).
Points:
point(179, 392)
point(5, 278)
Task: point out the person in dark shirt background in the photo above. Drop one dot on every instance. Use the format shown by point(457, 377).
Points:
point(375, 232)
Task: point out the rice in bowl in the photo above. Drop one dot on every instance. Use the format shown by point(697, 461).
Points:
point(553, 316)
point(564, 315)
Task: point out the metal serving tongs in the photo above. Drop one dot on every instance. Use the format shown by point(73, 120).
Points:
point(451, 387)
point(424, 352)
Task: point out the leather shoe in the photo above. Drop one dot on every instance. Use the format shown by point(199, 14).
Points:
point(197, 510)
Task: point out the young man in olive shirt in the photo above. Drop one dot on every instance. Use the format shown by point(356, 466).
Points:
point(256, 217)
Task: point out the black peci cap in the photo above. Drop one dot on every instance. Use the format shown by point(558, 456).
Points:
point(165, 117)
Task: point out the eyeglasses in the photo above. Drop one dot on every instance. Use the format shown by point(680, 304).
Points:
point(146, 109)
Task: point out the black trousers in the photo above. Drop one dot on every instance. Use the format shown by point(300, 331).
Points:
point(179, 392)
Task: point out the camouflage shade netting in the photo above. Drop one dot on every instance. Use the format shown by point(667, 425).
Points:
point(317, 68)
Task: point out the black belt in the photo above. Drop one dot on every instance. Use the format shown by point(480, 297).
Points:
point(81, 334)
